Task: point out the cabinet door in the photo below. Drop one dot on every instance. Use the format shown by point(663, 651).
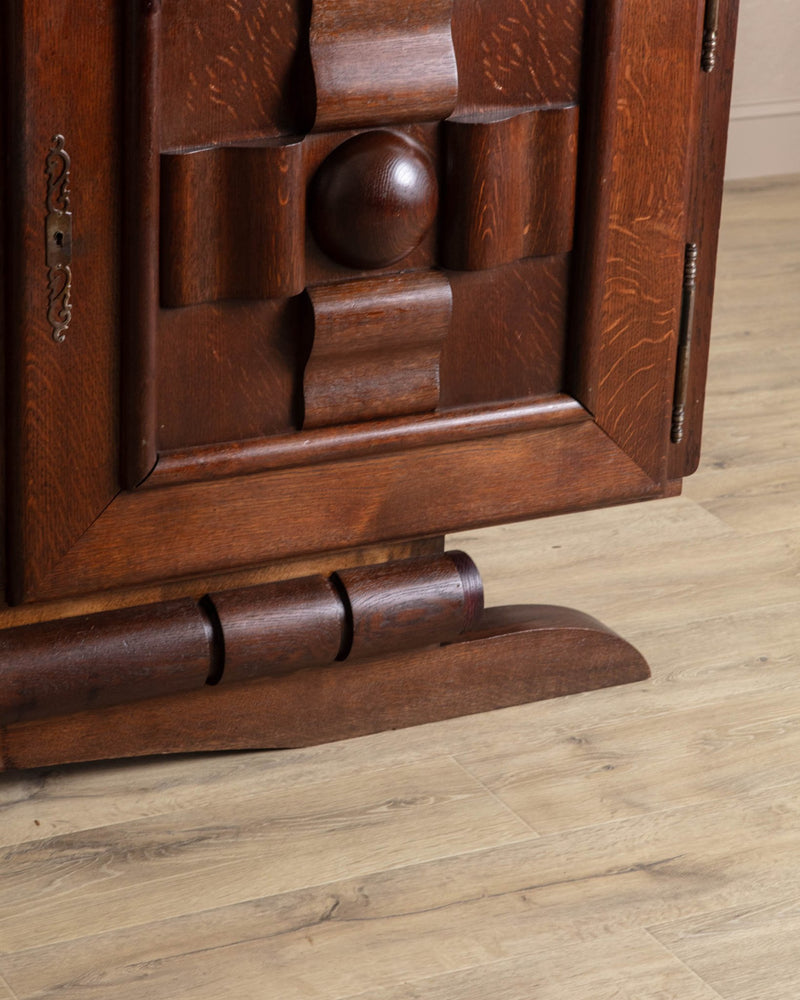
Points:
point(289, 277)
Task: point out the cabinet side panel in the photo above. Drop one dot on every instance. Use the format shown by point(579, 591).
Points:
point(61, 338)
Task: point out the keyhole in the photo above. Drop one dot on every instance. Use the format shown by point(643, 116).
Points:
point(59, 238)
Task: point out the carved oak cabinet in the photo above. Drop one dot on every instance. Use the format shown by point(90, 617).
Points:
point(290, 290)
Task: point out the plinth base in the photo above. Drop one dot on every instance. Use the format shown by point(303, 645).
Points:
point(512, 656)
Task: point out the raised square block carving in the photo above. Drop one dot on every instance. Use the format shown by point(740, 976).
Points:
point(377, 344)
point(376, 64)
point(509, 186)
point(232, 224)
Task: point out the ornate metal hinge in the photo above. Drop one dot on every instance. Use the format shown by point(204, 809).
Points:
point(58, 239)
point(708, 59)
point(684, 343)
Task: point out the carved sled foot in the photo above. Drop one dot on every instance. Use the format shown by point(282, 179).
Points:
point(341, 675)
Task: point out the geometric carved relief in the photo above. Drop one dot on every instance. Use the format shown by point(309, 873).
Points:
point(232, 224)
point(377, 345)
point(509, 189)
point(378, 64)
point(233, 218)
point(385, 179)
point(373, 199)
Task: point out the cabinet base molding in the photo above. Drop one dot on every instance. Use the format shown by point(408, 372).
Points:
point(482, 660)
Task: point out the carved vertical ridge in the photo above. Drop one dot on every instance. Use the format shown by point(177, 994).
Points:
point(232, 224)
point(400, 67)
point(510, 187)
point(377, 348)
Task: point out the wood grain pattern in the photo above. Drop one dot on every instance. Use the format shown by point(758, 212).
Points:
point(278, 627)
point(736, 949)
point(346, 504)
point(400, 67)
point(229, 371)
point(376, 348)
point(234, 72)
point(546, 653)
point(373, 199)
point(210, 866)
point(245, 457)
point(128, 655)
point(401, 606)
point(195, 587)
point(509, 187)
point(232, 224)
point(322, 149)
point(55, 667)
point(507, 337)
point(62, 397)
point(517, 53)
point(634, 233)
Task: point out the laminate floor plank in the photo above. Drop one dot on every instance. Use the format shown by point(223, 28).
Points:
point(744, 953)
point(644, 764)
point(248, 847)
point(706, 578)
point(540, 897)
point(5, 991)
point(754, 500)
point(649, 973)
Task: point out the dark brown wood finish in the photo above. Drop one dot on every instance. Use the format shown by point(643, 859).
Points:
point(517, 53)
point(521, 311)
point(127, 655)
point(375, 437)
point(397, 67)
point(61, 398)
point(509, 187)
point(349, 503)
point(234, 72)
point(232, 224)
point(405, 605)
point(535, 653)
point(141, 25)
point(202, 382)
point(634, 210)
point(55, 668)
point(376, 348)
point(714, 88)
point(373, 199)
point(278, 628)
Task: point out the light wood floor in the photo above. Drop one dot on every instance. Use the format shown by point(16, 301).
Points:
point(641, 843)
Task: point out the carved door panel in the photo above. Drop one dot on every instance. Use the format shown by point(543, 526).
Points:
point(303, 276)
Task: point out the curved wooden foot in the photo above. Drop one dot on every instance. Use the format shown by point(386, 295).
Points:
point(512, 656)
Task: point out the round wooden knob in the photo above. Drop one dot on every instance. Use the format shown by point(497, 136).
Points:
point(373, 199)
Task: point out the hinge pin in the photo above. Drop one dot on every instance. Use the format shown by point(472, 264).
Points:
point(684, 343)
point(708, 59)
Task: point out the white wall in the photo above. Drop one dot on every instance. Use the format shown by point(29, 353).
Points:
point(764, 135)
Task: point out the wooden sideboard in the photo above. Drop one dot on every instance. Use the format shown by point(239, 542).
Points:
point(292, 289)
